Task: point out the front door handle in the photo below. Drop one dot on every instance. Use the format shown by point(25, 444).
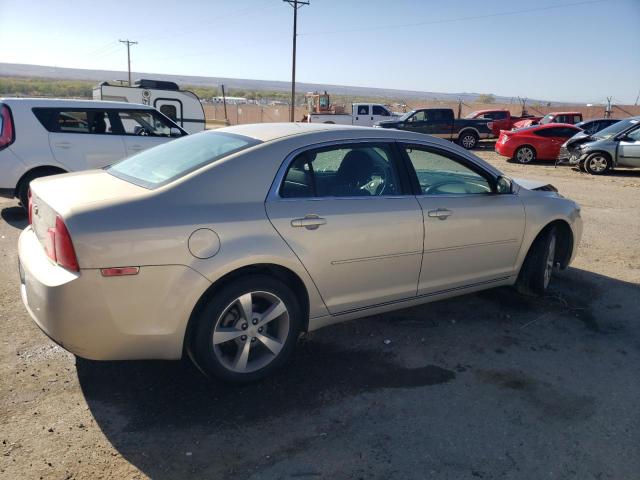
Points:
point(441, 213)
point(310, 222)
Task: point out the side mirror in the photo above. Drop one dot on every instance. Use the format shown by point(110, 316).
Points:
point(175, 132)
point(504, 185)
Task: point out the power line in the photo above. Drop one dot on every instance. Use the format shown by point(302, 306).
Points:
point(452, 20)
point(129, 43)
point(296, 4)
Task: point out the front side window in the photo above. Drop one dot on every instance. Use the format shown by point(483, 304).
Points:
point(634, 135)
point(342, 171)
point(576, 119)
point(172, 160)
point(439, 174)
point(378, 110)
point(145, 123)
point(499, 115)
point(548, 118)
point(418, 117)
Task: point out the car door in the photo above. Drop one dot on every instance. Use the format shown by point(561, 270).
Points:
point(342, 210)
point(472, 234)
point(143, 129)
point(417, 122)
point(81, 139)
point(379, 114)
point(363, 115)
point(629, 150)
point(548, 146)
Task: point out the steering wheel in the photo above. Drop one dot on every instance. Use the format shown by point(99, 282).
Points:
point(143, 132)
point(375, 186)
point(436, 186)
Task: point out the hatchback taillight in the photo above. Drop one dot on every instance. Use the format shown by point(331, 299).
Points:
point(59, 246)
point(7, 132)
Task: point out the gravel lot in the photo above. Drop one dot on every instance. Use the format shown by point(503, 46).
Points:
point(490, 385)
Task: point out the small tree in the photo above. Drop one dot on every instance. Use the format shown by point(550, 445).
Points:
point(486, 98)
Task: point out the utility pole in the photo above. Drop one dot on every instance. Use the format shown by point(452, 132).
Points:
point(129, 43)
point(295, 4)
point(607, 110)
point(224, 102)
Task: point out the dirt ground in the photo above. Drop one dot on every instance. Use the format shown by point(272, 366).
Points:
point(489, 385)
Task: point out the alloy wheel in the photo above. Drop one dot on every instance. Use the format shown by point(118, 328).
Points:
point(468, 141)
point(251, 332)
point(598, 163)
point(525, 155)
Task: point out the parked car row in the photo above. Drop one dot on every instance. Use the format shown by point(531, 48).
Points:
point(595, 146)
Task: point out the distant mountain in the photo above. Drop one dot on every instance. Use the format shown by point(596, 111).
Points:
point(23, 70)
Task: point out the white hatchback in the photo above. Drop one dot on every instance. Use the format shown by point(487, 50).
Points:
point(41, 137)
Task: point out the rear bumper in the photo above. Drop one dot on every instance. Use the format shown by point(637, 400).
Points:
point(504, 150)
point(141, 316)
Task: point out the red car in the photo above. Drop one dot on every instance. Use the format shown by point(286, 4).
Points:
point(502, 119)
point(538, 142)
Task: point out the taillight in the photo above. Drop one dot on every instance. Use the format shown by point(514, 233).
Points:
point(59, 246)
point(7, 133)
point(30, 209)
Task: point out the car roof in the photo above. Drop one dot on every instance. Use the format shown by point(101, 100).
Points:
point(564, 113)
point(271, 131)
point(491, 110)
point(71, 103)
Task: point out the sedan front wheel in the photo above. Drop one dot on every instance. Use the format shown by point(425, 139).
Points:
point(597, 164)
point(536, 271)
point(247, 329)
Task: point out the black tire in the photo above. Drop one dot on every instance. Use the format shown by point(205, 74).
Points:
point(22, 192)
point(525, 154)
point(532, 279)
point(203, 352)
point(468, 139)
point(597, 163)
point(581, 166)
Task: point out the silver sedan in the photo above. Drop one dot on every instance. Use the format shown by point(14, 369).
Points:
point(227, 244)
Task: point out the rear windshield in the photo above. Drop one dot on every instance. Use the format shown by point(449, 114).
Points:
point(616, 128)
point(167, 162)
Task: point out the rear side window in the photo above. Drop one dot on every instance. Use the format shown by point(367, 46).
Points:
point(363, 109)
point(90, 121)
point(167, 162)
point(342, 171)
point(548, 132)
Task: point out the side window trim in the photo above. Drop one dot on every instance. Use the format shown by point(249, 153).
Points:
point(397, 162)
point(415, 183)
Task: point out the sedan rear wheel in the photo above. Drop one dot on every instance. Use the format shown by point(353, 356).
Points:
point(597, 163)
point(247, 330)
point(525, 154)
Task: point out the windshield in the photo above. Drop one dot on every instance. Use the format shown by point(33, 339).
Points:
point(167, 162)
point(406, 115)
point(616, 128)
point(472, 115)
point(548, 118)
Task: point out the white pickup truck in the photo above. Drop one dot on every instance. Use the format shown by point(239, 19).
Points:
point(364, 114)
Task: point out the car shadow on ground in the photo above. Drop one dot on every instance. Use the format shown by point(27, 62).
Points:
point(15, 216)
point(152, 410)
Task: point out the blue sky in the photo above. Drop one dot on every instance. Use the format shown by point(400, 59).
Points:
point(581, 51)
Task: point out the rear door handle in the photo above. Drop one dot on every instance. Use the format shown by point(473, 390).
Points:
point(135, 147)
point(63, 145)
point(310, 222)
point(441, 213)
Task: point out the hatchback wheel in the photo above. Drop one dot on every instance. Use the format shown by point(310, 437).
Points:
point(468, 140)
point(536, 271)
point(247, 329)
point(525, 154)
point(597, 164)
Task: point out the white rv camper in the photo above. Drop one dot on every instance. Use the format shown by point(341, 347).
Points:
point(181, 106)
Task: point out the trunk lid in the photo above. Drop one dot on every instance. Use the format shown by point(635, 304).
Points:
point(73, 192)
